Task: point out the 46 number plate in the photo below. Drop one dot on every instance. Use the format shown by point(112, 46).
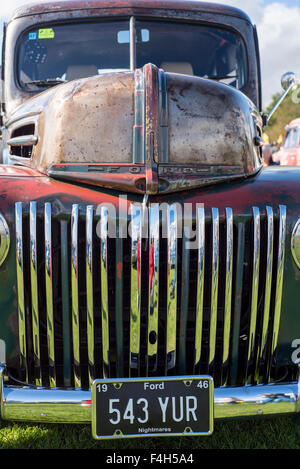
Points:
point(142, 407)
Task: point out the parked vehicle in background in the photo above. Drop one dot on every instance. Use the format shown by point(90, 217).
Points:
point(289, 152)
point(149, 264)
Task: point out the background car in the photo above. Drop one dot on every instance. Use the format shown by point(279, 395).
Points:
point(289, 152)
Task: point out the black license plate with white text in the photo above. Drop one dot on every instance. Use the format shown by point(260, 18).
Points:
point(140, 407)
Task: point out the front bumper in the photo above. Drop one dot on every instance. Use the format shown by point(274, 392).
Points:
point(74, 406)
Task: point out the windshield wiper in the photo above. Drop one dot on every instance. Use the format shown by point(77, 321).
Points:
point(225, 77)
point(44, 83)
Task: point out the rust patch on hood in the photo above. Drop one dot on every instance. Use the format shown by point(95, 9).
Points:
point(208, 123)
point(88, 121)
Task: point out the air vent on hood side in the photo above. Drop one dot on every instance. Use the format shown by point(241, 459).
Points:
point(22, 141)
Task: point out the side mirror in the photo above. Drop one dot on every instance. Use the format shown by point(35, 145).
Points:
point(288, 81)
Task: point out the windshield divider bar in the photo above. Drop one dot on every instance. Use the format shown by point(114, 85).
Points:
point(132, 29)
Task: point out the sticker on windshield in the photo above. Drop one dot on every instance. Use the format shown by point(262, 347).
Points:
point(46, 33)
point(33, 36)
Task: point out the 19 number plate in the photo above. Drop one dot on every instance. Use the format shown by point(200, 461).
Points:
point(142, 407)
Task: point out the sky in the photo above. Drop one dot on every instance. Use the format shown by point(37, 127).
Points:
point(278, 30)
point(279, 37)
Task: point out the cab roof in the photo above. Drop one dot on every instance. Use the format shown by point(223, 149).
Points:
point(39, 8)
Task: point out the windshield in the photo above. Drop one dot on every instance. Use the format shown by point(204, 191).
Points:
point(292, 138)
point(66, 52)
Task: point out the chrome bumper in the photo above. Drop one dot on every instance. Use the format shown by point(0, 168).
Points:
point(74, 405)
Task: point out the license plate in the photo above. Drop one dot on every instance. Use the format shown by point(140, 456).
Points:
point(140, 407)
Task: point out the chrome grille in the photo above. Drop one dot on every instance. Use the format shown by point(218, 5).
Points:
point(91, 306)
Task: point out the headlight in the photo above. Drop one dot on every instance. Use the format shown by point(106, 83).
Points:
point(295, 243)
point(4, 239)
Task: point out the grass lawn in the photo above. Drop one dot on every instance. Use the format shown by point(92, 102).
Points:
point(281, 433)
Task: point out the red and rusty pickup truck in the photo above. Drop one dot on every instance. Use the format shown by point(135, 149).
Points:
point(149, 264)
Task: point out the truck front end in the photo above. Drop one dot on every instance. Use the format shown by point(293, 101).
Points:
point(148, 264)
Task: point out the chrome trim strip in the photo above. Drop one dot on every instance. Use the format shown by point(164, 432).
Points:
point(23, 141)
point(49, 294)
point(152, 351)
point(228, 289)
point(90, 291)
point(214, 287)
point(34, 294)
point(200, 282)
point(139, 118)
point(254, 295)
point(74, 406)
point(135, 289)
point(104, 290)
point(279, 280)
point(151, 128)
point(164, 117)
point(20, 286)
point(267, 302)
point(172, 226)
point(75, 295)
point(26, 116)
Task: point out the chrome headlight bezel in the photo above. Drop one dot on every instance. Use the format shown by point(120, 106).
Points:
point(295, 243)
point(4, 239)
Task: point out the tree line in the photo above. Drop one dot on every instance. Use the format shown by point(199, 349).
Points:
point(286, 112)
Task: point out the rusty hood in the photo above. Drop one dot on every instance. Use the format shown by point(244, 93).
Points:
point(143, 131)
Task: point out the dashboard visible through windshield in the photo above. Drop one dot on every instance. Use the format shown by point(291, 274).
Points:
point(57, 53)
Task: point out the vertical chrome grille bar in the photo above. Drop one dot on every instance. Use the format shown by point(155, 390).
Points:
point(122, 224)
point(200, 282)
point(20, 286)
point(279, 280)
point(255, 286)
point(66, 302)
point(90, 292)
point(185, 292)
point(135, 289)
point(104, 290)
point(214, 288)
point(49, 294)
point(153, 305)
point(172, 226)
point(267, 302)
point(237, 306)
point(75, 295)
point(34, 295)
point(228, 291)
